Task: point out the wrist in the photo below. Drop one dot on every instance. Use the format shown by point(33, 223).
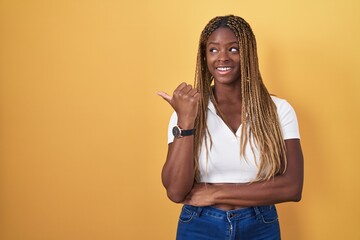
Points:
point(186, 124)
point(216, 196)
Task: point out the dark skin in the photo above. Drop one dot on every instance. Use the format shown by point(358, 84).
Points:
point(178, 173)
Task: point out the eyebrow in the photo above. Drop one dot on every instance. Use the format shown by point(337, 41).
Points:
point(216, 43)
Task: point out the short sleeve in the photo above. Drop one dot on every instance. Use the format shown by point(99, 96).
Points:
point(172, 123)
point(288, 120)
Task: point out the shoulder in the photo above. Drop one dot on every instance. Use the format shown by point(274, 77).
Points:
point(287, 118)
point(278, 101)
point(281, 104)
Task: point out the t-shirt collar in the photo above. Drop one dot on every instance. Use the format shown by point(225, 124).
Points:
point(211, 106)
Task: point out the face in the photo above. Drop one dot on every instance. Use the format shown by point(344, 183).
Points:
point(222, 56)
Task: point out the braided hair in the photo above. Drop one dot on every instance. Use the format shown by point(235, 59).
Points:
point(260, 123)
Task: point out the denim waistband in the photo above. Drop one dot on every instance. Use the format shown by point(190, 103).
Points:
point(231, 214)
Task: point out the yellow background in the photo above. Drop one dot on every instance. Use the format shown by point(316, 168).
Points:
point(83, 135)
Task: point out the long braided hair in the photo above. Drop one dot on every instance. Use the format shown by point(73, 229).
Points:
point(260, 123)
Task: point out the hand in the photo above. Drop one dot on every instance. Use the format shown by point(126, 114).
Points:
point(201, 195)
point(185, 102)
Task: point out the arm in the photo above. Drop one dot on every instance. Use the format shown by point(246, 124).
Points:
point(283, 188)
point(178, 171)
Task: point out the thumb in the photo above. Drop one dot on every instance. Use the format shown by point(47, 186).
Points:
point(165, 96)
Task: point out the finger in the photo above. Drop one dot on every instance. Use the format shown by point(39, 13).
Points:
point(197, 96)
point(192, 92)
point(165, 96)
point(180, 87)
point(186, 90)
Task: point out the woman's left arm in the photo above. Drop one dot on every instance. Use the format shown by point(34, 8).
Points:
point(286, 187)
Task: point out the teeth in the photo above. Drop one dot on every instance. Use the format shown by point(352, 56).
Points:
point(223, 68)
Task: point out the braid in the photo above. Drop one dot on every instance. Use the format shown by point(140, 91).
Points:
point(260, 123)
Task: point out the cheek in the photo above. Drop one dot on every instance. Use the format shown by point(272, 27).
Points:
point(209, 63)
point(210, 69)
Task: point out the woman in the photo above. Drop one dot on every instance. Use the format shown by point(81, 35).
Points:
point(234, 150)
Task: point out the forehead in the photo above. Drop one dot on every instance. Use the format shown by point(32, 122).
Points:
point(222, 35)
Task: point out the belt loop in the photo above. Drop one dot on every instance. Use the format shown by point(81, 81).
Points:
point(199, 211)
point(257, 212)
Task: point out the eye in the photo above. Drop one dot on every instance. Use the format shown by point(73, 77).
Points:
point(234, 49)
point(213, 50)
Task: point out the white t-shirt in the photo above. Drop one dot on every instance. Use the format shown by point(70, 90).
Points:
point(224, 163)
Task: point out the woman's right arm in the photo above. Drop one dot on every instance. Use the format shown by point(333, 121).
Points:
point(178, 171)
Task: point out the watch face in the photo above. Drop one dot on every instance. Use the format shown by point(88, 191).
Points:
point(176, 131)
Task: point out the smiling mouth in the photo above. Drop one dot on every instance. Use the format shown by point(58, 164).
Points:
point(223, 69)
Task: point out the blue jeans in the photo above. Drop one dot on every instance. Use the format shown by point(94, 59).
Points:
point(253, 223)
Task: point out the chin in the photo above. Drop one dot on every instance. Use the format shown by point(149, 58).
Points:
point(227, 81)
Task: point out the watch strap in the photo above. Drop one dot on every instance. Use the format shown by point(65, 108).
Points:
point(178, 132)
point(188, 132)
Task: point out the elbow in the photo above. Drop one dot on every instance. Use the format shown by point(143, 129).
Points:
point(295, 194)
point(176, 197)
point(174, 194)
point(296, 197)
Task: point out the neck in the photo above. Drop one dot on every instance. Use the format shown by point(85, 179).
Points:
point(227, 93)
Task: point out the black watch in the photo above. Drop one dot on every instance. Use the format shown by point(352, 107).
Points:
point(178, 132)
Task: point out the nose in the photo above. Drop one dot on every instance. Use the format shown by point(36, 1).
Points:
point(223, 56)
